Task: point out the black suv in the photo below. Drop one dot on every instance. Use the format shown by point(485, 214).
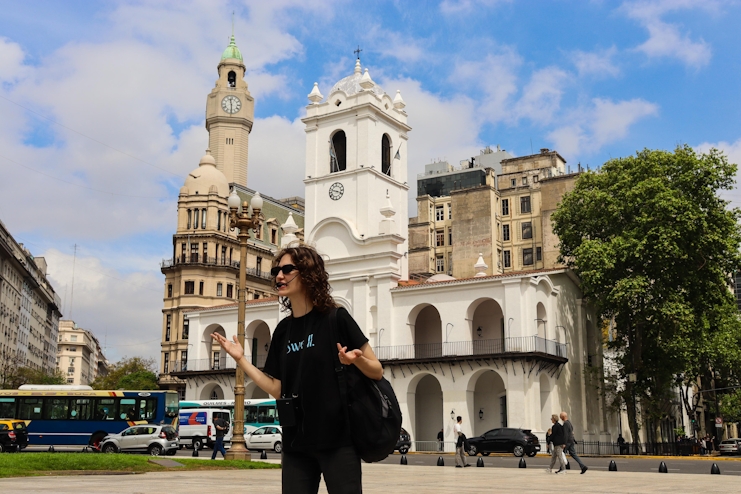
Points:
point(404, 443)
point(516, 441)
point(13, 435)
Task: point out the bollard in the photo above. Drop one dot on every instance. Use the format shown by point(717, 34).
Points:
point(522, 462)
point(613, 466)
point(195, 453)
point(51, 449)
point(662, 468)
point(440, 461)
point(714, 470)
point(403, 459)
point(480, 462)
point(568, 465)
point(263, 455)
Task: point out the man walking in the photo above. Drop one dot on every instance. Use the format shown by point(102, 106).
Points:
point(558, 439)
point(570, 441)
point(460, 445)
point(221, 428)
point(440, 440)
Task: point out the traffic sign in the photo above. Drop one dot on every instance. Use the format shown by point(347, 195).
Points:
point(719, 422)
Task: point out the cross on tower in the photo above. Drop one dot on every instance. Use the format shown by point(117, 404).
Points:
point(357, 51)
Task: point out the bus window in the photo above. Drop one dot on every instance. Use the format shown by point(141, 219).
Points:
point(30, 409)
point(250, 414)
point(127, 409)
point(56, 408)
point(172, 405)
point(80, 409)
point(147, 408)
point(266, 415)
point(7, 407)
point(105, 409)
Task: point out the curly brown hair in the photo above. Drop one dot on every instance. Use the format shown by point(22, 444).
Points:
point(313, 276)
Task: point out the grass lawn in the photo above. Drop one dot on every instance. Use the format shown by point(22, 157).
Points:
point(30, 464)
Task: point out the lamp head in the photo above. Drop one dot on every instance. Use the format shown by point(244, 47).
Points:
point(452, 415)
point(256, 201)
point(481, 414)
point(233, 202)
point(479, 331)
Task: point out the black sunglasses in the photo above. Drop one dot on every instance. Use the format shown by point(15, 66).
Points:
point(287, 269)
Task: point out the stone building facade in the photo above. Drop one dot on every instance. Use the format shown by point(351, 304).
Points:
point(29, 308)
point(80, 358)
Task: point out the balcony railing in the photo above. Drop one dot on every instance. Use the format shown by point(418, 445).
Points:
point(524, 344)
point(195, 259)
point(218, 364)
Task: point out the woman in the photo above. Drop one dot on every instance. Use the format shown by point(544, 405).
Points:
point(548, 443)
point(300, 370)
point(558, 438)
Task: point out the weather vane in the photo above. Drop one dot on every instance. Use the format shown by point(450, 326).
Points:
point(357, 52)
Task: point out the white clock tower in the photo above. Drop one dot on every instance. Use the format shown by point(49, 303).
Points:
point(230, 111)
point(356, 193)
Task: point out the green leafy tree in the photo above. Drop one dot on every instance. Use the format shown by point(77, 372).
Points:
point(129, 373)
point(730, 407)
point(654, 246)
point(14, 374)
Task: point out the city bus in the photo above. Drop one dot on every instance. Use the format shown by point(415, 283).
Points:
point(71, 416)
point(257, 412)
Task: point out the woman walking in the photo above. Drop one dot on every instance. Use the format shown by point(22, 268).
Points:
point(299, 372)
point(558, 438)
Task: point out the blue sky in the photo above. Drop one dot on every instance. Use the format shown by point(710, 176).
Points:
point(102, 107)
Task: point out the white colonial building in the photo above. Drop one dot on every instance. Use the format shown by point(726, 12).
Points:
point(499, 350)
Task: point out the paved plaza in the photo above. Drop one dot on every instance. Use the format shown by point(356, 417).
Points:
point(386, 479)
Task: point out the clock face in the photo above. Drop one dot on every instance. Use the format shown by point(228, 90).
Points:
point(336, 190)
point(231, 104)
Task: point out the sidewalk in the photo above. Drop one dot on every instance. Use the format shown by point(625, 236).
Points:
point(383, 479)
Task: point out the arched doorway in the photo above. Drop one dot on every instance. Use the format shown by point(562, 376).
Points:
point(212, 391)
point(489, 402)
point(258, 343)
point(428, 406)
point(487, 328)
point(338, 152)
point(215, 355)
point(428, 335)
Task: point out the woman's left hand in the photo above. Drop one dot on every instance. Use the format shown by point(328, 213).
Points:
point(348, 358)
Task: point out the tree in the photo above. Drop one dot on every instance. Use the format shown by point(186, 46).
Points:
point(730, 407)
point(13, 374)
point(654, 247)
point(129, 373)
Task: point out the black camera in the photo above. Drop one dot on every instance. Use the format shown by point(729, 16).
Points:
point(288, 411)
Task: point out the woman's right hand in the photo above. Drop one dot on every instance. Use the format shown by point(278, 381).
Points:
point(233, 348)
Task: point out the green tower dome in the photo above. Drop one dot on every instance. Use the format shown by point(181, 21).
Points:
point(232, 51)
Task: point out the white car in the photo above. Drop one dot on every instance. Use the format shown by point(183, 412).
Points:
point(268, 437)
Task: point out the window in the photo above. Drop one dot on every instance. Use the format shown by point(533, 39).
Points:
point(183, 252)
point(527, 257)
point(218, 289)
point(203, 219)
point(166, 368)
point(507, 259)
point(525, 204)
point(229, 290)
point(184, 360)
point(223, 254)
point(80, 409)
point(186, 328)
point(524, 180)
point(337, 153)
point(205, 251)
point(200, 288)
point(167, 327)
point(505, 232)
point(514, 182)
point(194, 252)
point(56, 409)
point(450, 211)
point(196, 215)
point(440, 238)
point(107, 408)
point(73, 349)
point(169, 290)
point(216, 362)
point(439, 213)
point(256, 296)
point(538, 254)
point(527, 230)
point(535, 179)
point(450, 236)
point(72, 361)
point(230, 140)
point(386, 154)
point(440, 264)
point(505, 207)
point(218, 221)
point(258, 266)
point(273, 236)
point(190, 287)
point(189, 214)
point(29, 408)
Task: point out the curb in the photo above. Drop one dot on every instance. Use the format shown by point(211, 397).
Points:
point(633, 457)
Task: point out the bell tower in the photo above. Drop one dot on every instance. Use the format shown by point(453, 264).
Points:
point(230, 111)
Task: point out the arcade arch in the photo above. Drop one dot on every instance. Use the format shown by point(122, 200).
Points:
point(428, 334)
point(212, 350)
point(257, 341)
point(428, 412)
point(487, 326)
point(489, 401)
point(212, 391)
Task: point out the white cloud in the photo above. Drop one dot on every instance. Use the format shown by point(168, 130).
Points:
point(589, 128)
point(466, 6)
point(597, 64)
point(277, 157)
point(396, 45)
point(666, 40)
point(541, 96)
point(11, 61)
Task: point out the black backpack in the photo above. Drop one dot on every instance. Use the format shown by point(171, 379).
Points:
point(371, 406)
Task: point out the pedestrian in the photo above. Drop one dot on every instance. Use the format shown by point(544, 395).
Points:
point(460, 445)
point(440, 439)
point(300, 373)
point(221, 427)
point(571, 441)
point(703, 446)
point(558, 438)
point(621, 444)
point(548, 443)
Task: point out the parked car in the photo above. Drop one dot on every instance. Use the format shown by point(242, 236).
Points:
point(730, 447)
point(263, 438)
point(13, 435)
point(404, 443)
point(196, 427)
point(150, 438)
point(504, 440)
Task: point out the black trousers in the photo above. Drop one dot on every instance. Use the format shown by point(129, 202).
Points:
point(340, 467)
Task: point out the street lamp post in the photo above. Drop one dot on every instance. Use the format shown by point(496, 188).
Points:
point(240, 218)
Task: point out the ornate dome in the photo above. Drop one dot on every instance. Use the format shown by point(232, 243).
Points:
point(206, 178)
point(351, 84)
point(232, 51)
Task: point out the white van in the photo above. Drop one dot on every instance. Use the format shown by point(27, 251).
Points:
point(196, 426)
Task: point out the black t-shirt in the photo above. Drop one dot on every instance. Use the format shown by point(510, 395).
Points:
point(218, 421)
point(321, 421)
